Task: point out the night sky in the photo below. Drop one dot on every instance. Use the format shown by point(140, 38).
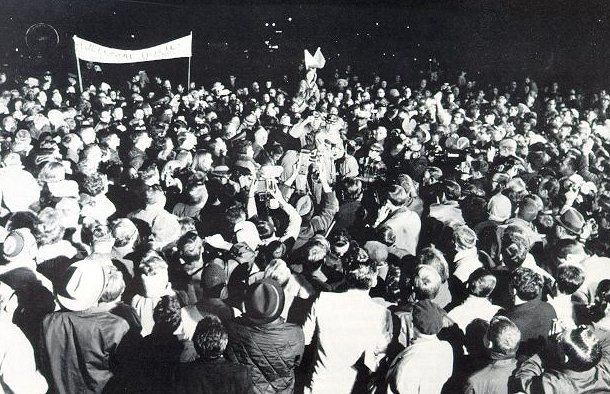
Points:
point(496, 40)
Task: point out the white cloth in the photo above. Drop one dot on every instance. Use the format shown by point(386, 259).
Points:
point(422, 368)
point(18, 372)
point(62, 248)
point(596, 269)
point(406, 224)
point(145, 306)
point(564, 308)
point(466, 262)
point(473, 308)
point(448, 213)
point(348, 325)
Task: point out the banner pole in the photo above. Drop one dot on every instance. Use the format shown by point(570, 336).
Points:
point(80, 77)
point(188, 84)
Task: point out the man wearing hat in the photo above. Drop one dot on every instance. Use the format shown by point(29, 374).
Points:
point(425, 365)
point(262, 339)
point(18, 373)
point(78, 340)
point(34, 291)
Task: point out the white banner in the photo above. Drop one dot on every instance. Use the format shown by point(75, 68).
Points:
point(92, 52)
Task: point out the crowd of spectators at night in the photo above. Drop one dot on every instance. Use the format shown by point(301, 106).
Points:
point(343, 235)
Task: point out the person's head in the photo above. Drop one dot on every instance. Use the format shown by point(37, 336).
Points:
point(115, 284)
point(190, 249)
point(529, 207)
point(569, 225)
point(380, 134)
point(166, 315)
point(427, 318)
point(527, 283)
point(397, 196)
point(426, 282)
point(264, 301)
point(125, 233)
point(48, 229)
point(433, 257)
point(450, 190)
point(481, 283)
point(515, 246)
point(581, 349)
point(235, 214)
point(464, 238)
point(153, 274)
point(569, 278)
point(278, 270)
point(81, 285)
point(210, 338)
point(87, 135)
point(202, 161)
point(52, 172)
point(101, 239)
point(196, 189)
point(352, 188)
point(94, 184)
point(360, 274)
point(261, 136)
point(601, 303)
point(377, 252)
point(141, 139)
point(503, 336)
point(508, 147)
point(499, 208)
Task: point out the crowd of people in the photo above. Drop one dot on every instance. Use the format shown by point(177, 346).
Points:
point(345, 235)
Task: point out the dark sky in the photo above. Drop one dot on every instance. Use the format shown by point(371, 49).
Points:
point(499, 39)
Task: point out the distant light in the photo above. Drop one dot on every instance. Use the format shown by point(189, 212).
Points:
point(289, 19)
point(393, 55)
point(414, 59)
point(226, 44)
point(418, 45)
point(376, 23)
point(267, 24)
point(273, 24)
point(16, 49)
point(429, 60)
point(338, 54)
point(408, 27)
point(384, 54)
point(279, 31)
point(133, 36)
point(113, 13)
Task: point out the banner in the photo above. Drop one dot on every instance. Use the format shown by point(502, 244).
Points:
point(92, 52)
point(315, 61)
